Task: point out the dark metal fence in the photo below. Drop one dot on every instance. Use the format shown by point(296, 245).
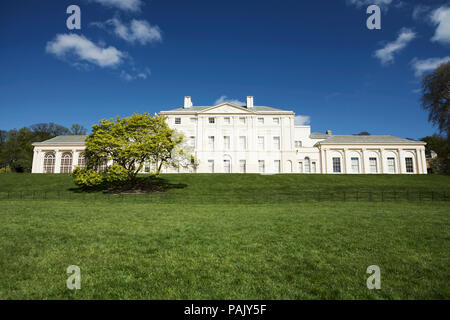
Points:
point(235, 198)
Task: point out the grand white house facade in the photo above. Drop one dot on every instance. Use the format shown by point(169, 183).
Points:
point(228, 138)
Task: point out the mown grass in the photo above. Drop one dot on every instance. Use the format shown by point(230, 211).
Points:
point(149, 250)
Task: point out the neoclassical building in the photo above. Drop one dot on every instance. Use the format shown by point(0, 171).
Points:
point(228, 138)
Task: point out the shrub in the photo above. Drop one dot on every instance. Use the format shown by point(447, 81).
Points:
point(117, 174)
point(87, 177)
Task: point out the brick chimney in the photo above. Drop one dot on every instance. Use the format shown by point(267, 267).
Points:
point(249, 102)
point(187, 102)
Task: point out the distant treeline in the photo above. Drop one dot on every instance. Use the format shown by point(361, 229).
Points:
point(16, 150)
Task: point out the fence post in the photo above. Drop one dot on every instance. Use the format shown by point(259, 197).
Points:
point(382, 196)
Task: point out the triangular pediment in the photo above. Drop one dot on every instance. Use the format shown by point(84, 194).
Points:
point(227, 107)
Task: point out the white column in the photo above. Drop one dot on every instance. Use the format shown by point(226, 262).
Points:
point(381, 160)
point(57, 161)
point(363, 160)
point(401, 164)
point(34, 167)
point(424, 160)
point(345, 160)
point(75, 155)
point(418, 162)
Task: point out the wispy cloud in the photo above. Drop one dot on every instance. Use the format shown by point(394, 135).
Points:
point(361, 3)
point(441, 18)
point(386, 54)
point(137, 31)
point(126, 5)
point(224, 99)
point(426, 65)
point(420, 11)
point(81, 49)
point(302, 120)
point(135, 75)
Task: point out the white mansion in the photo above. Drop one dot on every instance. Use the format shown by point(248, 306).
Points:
point(227, 138)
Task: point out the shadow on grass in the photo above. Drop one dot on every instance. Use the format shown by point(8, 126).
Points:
point(146, 184)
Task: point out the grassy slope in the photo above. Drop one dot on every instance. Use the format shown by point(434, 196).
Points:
point(248, 183)
point(184, 251)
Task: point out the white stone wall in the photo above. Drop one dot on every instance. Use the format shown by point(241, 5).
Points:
point(311, 157)
point(40, 151)
point(380, 152)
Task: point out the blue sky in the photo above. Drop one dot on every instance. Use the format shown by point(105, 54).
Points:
point(316, 58)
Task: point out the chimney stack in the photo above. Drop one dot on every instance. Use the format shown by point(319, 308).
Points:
point(187, 102)
point(249, 102)
point(329, 132)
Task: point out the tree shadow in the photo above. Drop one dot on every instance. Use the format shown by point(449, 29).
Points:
point(139, 185)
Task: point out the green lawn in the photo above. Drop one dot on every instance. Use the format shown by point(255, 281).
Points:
point(145, 248)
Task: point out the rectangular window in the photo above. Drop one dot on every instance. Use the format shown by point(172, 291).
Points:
point(260, 120)
point(192, 141)
point(298, 144)
point(260, 143)
point(242, 166)
point(409, 165)
point(261, 166)
point(226, 166)
point(313, 167)
point(193, 120)
point(391, 165)
point(211, 166)
point(336, 165)
point(277, 166)
point(211, 142)
point(373, 165)
point(226, 142)
point(242, 120)
point(300, 167)
point(276, 120)
point(212, 120)
point(276, 143)
point(355, 165)
point(227, 120)
point(243, 143)
point(177, 120)
point(307, 165)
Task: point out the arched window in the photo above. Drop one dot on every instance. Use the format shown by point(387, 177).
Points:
point(66, 163)
point(307, 165)
point(49, 162)
point(289, 166)
point(81, 160)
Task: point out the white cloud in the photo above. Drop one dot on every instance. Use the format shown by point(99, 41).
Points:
point(441, 18)
point(137, 31)
point(82, 49)
point(419, 11)
point(302, 120)
point(426, 65)
point(386, 54)
point(126, 5)
point(361, 3)
point(130, 76)
point(224, 99)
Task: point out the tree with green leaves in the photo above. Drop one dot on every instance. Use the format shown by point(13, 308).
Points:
point(436, 97)
point(130, 143)
point(439, 144)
